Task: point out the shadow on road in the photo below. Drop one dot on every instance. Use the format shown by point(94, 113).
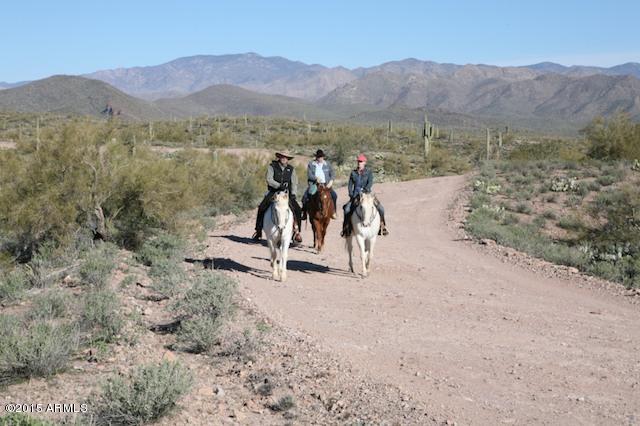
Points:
point(309, 267)
point(226, 264)
point(242, 240)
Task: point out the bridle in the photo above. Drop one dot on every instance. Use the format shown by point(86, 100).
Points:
point(276, 218)
point(373, 215)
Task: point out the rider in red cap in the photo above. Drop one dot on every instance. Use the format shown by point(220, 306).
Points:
point(361, 180)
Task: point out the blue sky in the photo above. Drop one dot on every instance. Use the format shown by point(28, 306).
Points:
point(41, 38)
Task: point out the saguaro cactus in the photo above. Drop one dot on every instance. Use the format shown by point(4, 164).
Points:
point(37, 133)
point(488, 144)
point(499, 153)
point(427, 134)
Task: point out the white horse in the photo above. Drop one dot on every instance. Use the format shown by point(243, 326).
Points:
point(365, 222)
point(278, 225)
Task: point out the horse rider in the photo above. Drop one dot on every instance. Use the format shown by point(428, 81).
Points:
point(319, 172)
point(281, 176)
point(361, 180)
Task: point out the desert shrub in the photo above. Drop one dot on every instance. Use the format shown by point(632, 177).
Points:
point(396, 165)
point(34, 349)
point(161, 248)
point(548, 150)
point(571, 223)
point(613, 139)
point(539, 222)
point(149, 393)
point(510, 219)
point(523, 208)
point(21, 419)
point(52, 304)
point(594, 186)
point(485, 224)
point(606, 180)
point(13, 284)
point(97, 265)
point(205, 307)
point(549, 214)
point(620, 209)
point(100, 315)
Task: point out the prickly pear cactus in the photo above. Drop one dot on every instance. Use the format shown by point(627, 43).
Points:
point(563, 184)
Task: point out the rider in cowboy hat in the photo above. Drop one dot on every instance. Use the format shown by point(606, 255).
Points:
point(319, 171)
point(361, 180)
point(280, 177)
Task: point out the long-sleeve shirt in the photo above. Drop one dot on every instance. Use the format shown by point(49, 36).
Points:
point(329, 174)
point(359, 182)
point(275, 185)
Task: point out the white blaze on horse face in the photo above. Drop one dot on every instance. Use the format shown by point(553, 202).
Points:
point(281, 209)
point(367, 208)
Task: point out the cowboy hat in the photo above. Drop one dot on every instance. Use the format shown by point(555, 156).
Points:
point(284, 154)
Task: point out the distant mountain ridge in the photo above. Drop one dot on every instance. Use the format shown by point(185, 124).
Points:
point(64, 94)
point(273, 75)
point(541, 95)
point(281, 76)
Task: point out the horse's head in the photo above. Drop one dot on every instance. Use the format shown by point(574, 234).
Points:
point(321, 201)
point(281, 209)
point(366, 204)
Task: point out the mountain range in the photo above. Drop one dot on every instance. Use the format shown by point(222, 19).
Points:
point(544, 94)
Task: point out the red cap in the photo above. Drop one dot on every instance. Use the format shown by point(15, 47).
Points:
point(361, 157)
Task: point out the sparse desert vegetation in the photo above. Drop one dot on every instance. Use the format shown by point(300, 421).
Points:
point(571, 204)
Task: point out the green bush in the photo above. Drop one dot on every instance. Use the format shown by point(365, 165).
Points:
point(13, 284)
point(149, 393)
point(204, 306)
point(484, 224)
point(570, 223)
point(97, 265)
point(21, 419)
point(34, 349)
point(613, 139)
point(100, 315)
point(52, 304)
point(161, 248)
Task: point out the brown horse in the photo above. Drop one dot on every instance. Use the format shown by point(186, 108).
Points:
point(320, 208)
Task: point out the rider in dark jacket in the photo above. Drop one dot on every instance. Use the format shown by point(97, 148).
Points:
point(361, 180)
point(281, 176)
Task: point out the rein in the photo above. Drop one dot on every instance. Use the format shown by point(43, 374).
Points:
point(373, 215)
point(276, 219)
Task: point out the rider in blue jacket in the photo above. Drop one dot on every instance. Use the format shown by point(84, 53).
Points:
point(361, 180)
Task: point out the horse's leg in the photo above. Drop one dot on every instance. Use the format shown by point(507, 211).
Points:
point(274, 258)
point(371, 244)
point(284, 254)
point(314, 228)
point(350, 249)
point(363, 254)
point(323, 231)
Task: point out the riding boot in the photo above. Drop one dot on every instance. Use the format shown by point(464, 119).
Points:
point(296, 233)
point(346, 228)
point(383, 226)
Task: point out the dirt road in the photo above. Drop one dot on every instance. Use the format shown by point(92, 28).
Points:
point(478, 340)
